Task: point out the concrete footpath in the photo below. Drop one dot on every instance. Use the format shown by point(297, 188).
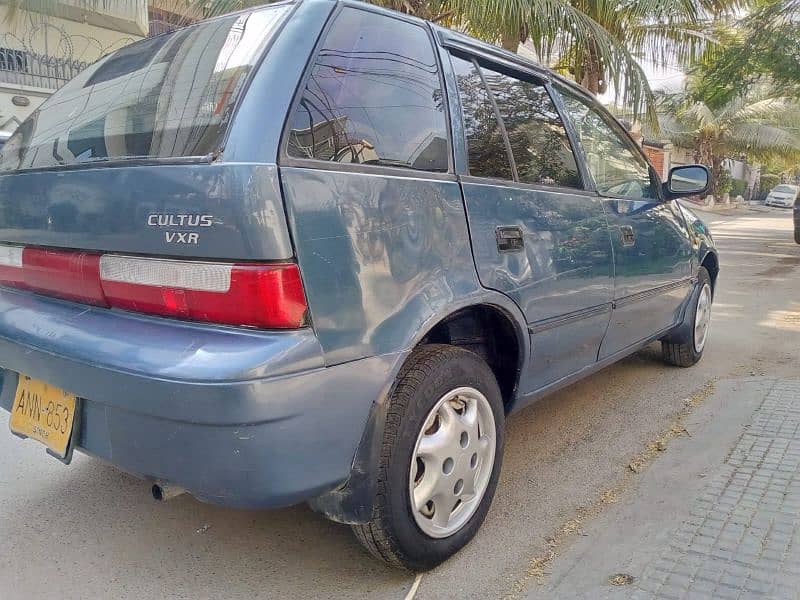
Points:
point(717, 515)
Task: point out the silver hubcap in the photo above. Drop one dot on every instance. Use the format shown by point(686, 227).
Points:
point(702, 318)
point(452, 462)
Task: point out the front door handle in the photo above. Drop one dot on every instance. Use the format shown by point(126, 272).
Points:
point(509, 239)
point(628, 236)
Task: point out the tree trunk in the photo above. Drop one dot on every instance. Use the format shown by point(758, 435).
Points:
point(716, 173)
point(590, 80)
point(704, 154)
point(592, 72)
point(510, 41)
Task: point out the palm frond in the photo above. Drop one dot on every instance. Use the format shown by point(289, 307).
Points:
point(699, 114)
point(760, 140)
point(769, 110)
point(671, 44)
point(556, 28)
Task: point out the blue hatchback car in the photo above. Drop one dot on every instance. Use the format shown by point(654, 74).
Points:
point(318, 252)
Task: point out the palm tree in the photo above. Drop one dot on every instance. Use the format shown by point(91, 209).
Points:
point(756, 124)
point(598, 42)
point(762, 48)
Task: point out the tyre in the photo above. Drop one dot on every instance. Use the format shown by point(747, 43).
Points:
point(440, 459)
point(685, 348)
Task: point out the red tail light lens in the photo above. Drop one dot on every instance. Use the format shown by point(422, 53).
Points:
point(266, 295)
point(69, 275)
point(269, 296)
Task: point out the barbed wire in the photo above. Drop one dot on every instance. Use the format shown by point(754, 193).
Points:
point(37, 30)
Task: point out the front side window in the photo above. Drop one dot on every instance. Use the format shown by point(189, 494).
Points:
point(168, 96)
point(373, 97)
point(539, 142)
point(617, 169)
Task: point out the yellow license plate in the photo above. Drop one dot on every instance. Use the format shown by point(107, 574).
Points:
point(45, 413)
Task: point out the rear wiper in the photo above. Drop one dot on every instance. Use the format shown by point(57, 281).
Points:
point(386, 162)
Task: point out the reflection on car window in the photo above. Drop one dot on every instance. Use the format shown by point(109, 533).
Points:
point(486, 147)
point(539, 142)
point(615, 167)
point(374, 97)
point(168, 96)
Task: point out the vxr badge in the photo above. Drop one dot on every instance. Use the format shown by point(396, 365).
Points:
point(180, 220)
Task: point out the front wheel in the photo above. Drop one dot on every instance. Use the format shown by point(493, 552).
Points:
point(687, 349)
point(440, 460)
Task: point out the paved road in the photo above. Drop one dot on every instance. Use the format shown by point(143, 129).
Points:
point(715, 517)
point(89, 531)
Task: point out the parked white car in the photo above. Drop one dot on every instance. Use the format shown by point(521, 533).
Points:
point(782, 195)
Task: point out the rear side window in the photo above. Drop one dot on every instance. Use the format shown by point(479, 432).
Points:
point(486, 147)
point(539, 142)
point(374, 96)
point(167, 96)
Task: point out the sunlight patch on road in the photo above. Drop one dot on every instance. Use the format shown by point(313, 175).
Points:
point(785, 320)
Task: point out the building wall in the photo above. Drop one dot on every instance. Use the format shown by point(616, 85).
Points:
point(736, 168)
point(12, 115)
point(659, 157)
point(39, 53)
point(682, 156)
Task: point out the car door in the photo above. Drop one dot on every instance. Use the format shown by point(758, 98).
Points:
point(652, 248)
point(537, 234)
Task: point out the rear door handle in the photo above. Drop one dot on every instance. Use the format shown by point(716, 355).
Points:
point(509, 239)
point(628, 236)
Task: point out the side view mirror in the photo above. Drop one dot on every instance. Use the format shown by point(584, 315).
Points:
point(687, 181)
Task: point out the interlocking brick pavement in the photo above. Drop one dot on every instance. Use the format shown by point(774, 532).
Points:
point(742, 538)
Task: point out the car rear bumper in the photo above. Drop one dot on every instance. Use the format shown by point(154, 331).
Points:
point(236, 417)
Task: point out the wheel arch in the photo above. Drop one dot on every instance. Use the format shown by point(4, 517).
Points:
point(491, 332)
point(711, 263)
point(352, 503)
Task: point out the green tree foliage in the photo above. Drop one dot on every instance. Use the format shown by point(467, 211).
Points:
point(756, 124)
point(761, 49)
point(598, 42)
point(768, 181)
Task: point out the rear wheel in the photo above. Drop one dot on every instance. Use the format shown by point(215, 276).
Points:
point(687, 348)
point(441, 456)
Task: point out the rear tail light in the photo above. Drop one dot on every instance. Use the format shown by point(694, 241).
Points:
point(11, 266)
point(257, 295)
point(69, 275)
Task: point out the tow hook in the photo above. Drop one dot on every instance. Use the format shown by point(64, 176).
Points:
point(165, 491)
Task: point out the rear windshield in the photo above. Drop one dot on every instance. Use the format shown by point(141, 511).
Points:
point(785, 189)
point(167, 96)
